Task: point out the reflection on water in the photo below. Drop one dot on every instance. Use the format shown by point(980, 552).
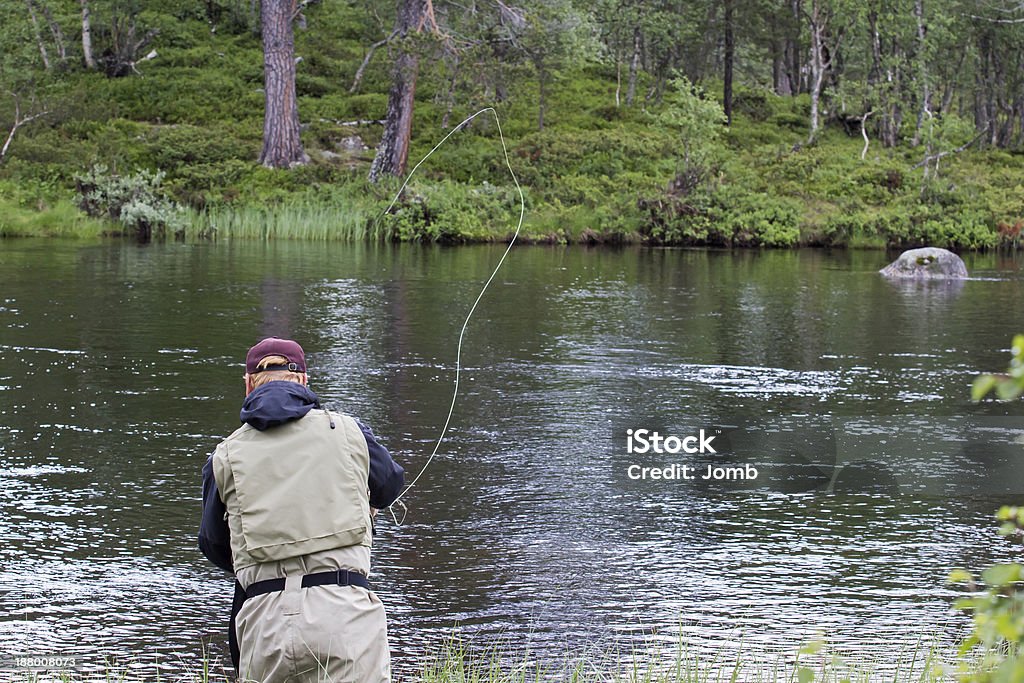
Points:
point(123, 369)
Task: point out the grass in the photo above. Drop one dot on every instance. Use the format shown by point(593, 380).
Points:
point(457, 662)
point(294, 220)
point(461, 661)
point(60, 219)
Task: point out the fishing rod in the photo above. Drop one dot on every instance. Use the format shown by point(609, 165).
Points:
point(472, 309)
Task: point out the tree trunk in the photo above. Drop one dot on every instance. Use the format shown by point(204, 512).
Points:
point(450, 97)
point(818, 65)
point(793, 49)
point(922, 71)
point(282, 147)
point(393, 150)
point(541, 81)
point(58, 34)
point(634, 66)
point(730, 50)
point(780, 79)
point(90, 62)
point(38, 34)
point(780, 74)
point(875, 73)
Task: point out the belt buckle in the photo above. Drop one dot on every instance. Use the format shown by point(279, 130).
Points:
point(342, 577)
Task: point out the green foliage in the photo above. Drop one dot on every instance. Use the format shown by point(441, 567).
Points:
point(997, 612)
point(757, 219)
point(544, 159)
point(664, 170)
point(1008, 386)
point(135, 201)
point(53, 219)
point(449, 212)
point(697, 119)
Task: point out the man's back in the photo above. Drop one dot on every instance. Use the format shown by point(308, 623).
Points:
point(287, 508)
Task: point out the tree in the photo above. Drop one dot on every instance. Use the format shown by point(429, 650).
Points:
point(825, 39)
point(90, 61)
point(698, 119)
point(282, 147)
point(35, 7)
point(393, 150)
point(20, 119)
point(730, 55)
point(553, 37)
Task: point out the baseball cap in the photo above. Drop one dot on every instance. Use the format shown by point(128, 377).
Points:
point(274, 346)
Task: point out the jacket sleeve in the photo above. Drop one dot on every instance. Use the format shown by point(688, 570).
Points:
point(214, 535)
point(386, 476)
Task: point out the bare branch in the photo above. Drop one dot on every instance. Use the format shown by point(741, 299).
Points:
point(935, 157)
point(152, 55)
point(19, 121)
point(366, 60)
point(358, 122)
point(997, 21)
point(864, 132)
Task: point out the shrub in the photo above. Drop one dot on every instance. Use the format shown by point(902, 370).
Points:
point(451, 212)
point(756, 218)
point(135, 201)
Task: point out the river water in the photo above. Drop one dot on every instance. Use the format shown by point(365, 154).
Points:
point(122, 369)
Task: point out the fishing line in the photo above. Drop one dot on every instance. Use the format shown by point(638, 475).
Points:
point(483, 290)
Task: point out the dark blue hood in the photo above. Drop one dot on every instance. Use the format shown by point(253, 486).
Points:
point(277, 402)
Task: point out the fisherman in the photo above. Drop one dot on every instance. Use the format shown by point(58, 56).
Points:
point(288, 506)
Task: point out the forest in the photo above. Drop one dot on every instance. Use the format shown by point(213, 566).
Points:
point(762, 123)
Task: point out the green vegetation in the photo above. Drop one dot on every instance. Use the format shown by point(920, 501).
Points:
point(456, 661)
point(1008, 386)
point(998, 613)
point(998, 610)
point(184, 129)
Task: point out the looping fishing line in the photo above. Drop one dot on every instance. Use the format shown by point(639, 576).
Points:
point(483, 290)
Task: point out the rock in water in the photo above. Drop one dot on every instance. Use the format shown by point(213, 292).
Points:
point(927, 263)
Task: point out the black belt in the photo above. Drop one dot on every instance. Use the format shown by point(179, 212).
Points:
point(340, 577)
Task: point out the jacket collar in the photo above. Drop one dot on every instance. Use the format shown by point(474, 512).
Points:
point(276, 403)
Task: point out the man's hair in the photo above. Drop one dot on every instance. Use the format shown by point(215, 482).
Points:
point(265, 376)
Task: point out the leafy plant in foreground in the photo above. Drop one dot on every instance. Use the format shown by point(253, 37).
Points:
point(1007, 386)
point(997, 613)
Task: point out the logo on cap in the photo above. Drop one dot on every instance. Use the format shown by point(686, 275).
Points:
point(275, 346)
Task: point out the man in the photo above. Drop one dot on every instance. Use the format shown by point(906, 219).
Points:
point(288, 504)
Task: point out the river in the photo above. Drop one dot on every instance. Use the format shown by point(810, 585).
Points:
point(122, 368)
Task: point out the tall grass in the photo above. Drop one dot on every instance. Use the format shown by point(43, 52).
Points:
point(292, 221)
point(460, 661)
point(60, 219)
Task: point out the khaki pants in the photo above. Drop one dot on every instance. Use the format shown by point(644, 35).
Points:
point(320, 634)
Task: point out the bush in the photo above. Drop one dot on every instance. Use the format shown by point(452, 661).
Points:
point(752, 103)
point(929, 225)
point(135, 201)
point(757, 219)
point(450, 212)
point(795, 122)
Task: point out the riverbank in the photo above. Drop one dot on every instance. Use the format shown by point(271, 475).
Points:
point(598, 172)
point(458, 661)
